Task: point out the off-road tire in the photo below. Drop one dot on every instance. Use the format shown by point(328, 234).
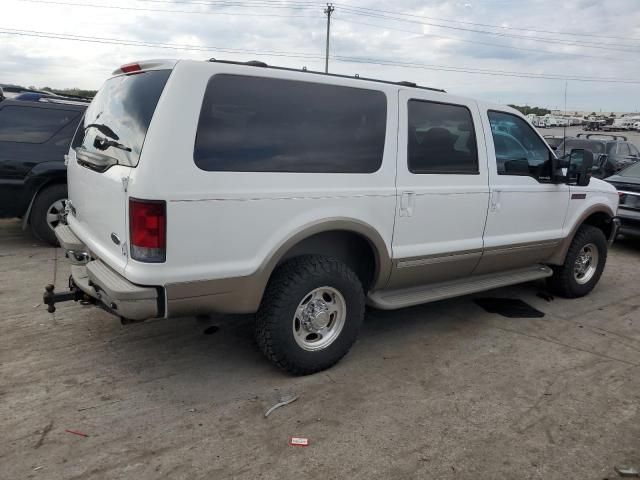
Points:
point(288, 286)
point(563, 282)
point(38, 218)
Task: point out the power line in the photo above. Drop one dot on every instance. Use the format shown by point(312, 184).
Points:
point(311, 56)
point(520, 29)
point(141, 43)
point(144, 9)
point(352, 11)
point(476, 42)
point(481, 71)
point(486, 32)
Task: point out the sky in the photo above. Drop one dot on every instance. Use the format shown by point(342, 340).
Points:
point(77, 43)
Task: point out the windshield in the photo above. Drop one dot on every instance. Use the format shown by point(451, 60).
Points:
point(568, 145)
point(632, 171)
point(115, 124)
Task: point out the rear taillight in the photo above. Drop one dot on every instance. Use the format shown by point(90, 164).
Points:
point(148, 230)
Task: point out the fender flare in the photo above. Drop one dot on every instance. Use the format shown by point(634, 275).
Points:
point(558, 257)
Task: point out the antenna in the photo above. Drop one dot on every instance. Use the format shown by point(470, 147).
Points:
point(564, 129)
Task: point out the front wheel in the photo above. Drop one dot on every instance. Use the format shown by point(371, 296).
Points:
point(583, 264)
point(310, 314)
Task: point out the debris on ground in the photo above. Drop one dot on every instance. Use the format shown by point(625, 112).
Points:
point(299, 442)
point(284, 400)
point(628, 472)
point(38, 468)
point(509, 307)
point(545, 296)
point(76, 432)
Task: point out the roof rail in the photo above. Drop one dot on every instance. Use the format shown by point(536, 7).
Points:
point(257, 63)
point(589, 135)
point(64, 101)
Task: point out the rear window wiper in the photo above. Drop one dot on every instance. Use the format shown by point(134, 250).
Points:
point(102, 143)
point(102, 128)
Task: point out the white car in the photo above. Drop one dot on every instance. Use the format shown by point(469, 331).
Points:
point(199, 187)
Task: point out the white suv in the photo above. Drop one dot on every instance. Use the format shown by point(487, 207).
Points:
point(200, 187)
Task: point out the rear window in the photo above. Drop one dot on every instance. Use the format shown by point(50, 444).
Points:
point(115, 124)
point(255, 124)
point(632, 171)
point(32, 124)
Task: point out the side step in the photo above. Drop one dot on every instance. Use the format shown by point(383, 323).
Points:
point(407, 297)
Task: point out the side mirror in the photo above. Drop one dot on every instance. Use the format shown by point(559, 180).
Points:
point(580, 167)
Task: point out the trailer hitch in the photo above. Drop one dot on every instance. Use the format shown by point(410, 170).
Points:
point(50, 298)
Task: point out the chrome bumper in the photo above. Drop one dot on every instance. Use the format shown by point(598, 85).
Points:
point(114, 292)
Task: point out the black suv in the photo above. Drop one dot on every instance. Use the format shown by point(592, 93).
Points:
point(34, 137)
point(610, 154)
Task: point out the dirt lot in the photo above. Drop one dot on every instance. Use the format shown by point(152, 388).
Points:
point(439, 391)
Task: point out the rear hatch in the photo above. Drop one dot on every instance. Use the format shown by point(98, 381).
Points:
point(105, 150)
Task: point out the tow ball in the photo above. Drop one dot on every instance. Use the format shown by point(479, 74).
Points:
point(50, 298)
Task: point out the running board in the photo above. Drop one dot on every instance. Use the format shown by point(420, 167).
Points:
point(407, 297)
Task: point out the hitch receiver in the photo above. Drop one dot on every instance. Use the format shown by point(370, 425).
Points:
point(50, 298)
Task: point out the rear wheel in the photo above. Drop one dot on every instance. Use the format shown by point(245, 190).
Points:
point(310, 314)
point(47, 212)
point(583, 264)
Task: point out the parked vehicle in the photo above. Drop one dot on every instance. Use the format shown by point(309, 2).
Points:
point(611, 153)
point(34, 138)
point(627, 182)
point(592, 126)
point(301, 196)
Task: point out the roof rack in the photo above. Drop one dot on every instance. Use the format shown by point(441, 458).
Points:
point(64, 101)
point(589, 135)
point(257, 63)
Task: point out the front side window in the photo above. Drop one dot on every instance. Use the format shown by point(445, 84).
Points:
point(32, 124)
point(519, 150)
point(634, 150)
point(441, 139)
point(256, 124)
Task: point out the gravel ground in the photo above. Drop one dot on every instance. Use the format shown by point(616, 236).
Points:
point(444, 390)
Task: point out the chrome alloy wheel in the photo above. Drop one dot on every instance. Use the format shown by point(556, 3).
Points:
point(319, 318)
point(586, 264)
point(56, 213)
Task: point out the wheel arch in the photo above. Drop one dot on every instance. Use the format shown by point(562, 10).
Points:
point(339, 238)
point(54, 180)
point(599, 216)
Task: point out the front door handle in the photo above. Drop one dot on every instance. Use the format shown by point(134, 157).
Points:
point(406, 204)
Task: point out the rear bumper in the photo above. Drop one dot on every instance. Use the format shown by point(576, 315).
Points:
point(107, 287)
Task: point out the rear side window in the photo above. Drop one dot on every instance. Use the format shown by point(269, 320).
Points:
point(32, 124)
point(254, 124)
point(441, 139)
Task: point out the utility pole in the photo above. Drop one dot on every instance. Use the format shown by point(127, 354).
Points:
point(329, 10)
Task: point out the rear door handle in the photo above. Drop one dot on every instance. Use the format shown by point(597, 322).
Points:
point(495, 200)
point(406, 204)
